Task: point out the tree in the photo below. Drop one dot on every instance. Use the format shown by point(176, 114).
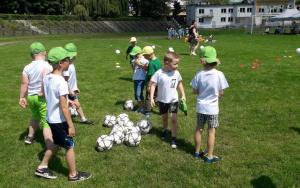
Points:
point(177, 9)
point(153, 8)
point(135, 7)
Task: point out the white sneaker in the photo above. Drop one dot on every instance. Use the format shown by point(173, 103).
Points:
point(194, 54)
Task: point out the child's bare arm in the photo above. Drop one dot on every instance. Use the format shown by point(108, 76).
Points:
point(66, 113)
point(23, 90)
point(181, 90)
point(221, 92)
point(152, 89)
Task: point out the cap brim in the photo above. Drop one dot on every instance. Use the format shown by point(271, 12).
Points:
point(211, 60)
point(72, 54)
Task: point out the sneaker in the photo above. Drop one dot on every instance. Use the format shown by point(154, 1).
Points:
point(80, 176)
point(138, 110)
point(45, 173)
point(29, 140)
point(142, 111)
point(164, 134)
point(88, 122)
point(201, 155)
point(214, 159)
point(173, 143)
point(147, 114)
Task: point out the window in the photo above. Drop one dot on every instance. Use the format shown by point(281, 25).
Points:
point(242, 9)
point(280, 10)
point(275, 10)
point(223, 10)
point(261, 10)
point(223, 19)
point(230, 10)
point(249, 9)
point(200, 20)
point(230, 19)
point(201, 11)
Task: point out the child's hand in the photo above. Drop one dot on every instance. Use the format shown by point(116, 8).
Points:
point(23, 102)
point(71, 132)
point(41, 94)
point(77, 91)
point(183, 98)
point(152, 103)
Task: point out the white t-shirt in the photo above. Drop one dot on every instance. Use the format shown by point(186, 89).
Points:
point(71, 73)
point(209, 83)
point(34, 71)
point(139, 73)
point(167, 83)
point(54, 87)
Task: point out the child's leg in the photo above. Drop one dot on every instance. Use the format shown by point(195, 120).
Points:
point(79, 109)
point(211, 141)
point(147, 102)
point(173, 119)
point(70, 157)
point(47, 136)
point(33, 127)
point(197, 138)
point(52, 150)
point(196, 46)
point(141, 104)
point(164, 119)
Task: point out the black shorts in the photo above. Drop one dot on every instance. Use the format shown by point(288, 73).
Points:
point(60, 131)
point(73, 98)
point(165, 107)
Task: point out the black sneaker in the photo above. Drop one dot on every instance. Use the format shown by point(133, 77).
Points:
point(164, 134)
point(29, 140)
point(203, 154)
point(88, 122)
point(80, 176)
point(173, 143)
point(213, 159)
point(45, 173)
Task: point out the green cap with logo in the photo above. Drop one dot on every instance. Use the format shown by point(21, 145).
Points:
point(183, 106)
point(136, 50)
point(57, 54)
point(71, 48)
point(209, 54)
point(36, 48)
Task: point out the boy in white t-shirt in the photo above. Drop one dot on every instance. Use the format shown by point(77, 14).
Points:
point(70, 76)
point(139, 67)
point(58, 116)
point(168, 79)
point(208, 84)
point(32, 76)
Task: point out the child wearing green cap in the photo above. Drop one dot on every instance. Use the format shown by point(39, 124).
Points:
point(133, 42)
point(208, 84)
point(70, 76)
point(168, 79)
point(58, 116)
point(32, 76)
point(139, 67)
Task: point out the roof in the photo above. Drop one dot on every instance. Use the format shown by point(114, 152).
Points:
point(272, 2)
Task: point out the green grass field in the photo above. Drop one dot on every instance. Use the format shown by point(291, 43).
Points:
point(258, 137)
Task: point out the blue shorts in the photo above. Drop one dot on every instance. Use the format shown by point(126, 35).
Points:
point(60, 131)
point(165, 107)
point(138, 89)
point(73, 98)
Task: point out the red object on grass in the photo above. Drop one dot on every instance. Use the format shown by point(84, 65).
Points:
point(277, 58)
point(254, 67)
point(255, 64)
point(256, 60)
point(241, 65)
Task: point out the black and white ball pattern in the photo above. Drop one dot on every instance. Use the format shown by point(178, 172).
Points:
point(129, 105)
point(109, 121)
point(104, 143)
point(118, 137)
point(145, 126)
point(133, 139)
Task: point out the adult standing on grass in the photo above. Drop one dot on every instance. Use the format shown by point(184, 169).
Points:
point(133, 42)
point(70, 76)
point(153, 66)
point(168, 79)
point(32, 76)
point(208, 84)
point(58, 116)
point(193, 34)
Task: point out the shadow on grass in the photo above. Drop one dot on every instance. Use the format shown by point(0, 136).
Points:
point(39, 137)
point(182, 144)
point(184, 54)
point(126, 79)
point(297, 129)
point(262, 181)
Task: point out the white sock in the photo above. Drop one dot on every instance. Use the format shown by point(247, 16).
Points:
point(83, 119)
point(41, 167)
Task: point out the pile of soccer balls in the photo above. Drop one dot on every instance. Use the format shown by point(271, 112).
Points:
point(123, 130)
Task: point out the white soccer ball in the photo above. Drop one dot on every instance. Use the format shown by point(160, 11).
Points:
point(116, 128)
point(129, 105)
point(127, 125)
point(171, 49)
point(121, 116)
point(213, 41)
point(73, 111)
point(123, 121)
point(201, 47)
point(109, 121)
point(117, 51)
point(134, 129)
point(153, 47)
point(133, 139)
point(145, 125)
point(206, 41)
point(298, 50)
point(104, 143)
point(118, 137)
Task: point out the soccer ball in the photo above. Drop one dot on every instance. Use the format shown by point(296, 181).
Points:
point(104, 143)
point(133, 139)
point(123, 121)
point(213, 41)
point(117, 51)
point(298, 50)
point(129, 105)
point(127, 125)
point(153, 47)
point(73, 112)
point(171, 49)
point(201, 47)
point(109, 120)
point(134, 129)
point(120, 117)
point(116, 128)
point(145, 126)
point(118, 137)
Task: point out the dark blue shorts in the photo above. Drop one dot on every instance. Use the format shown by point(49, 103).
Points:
point(165, 107)
point(60, 131)
point(73, 98)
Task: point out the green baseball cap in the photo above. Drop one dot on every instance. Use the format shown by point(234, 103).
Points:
point(136, 50)
point(57, 54)
point(209, 54)
point(71, 48)
point(183, 106)
point(36, 48)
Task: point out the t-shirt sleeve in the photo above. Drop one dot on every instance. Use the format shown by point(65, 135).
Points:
point(179, 77)
point(155, 78)
point(128, 50)
point(194, 82)
point(223, 82)
point(24, 71)
point(151, 70)
point(63, 88)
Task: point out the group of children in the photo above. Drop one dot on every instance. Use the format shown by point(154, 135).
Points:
point(179, 34)
point(161, 89)
point(51, 86)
